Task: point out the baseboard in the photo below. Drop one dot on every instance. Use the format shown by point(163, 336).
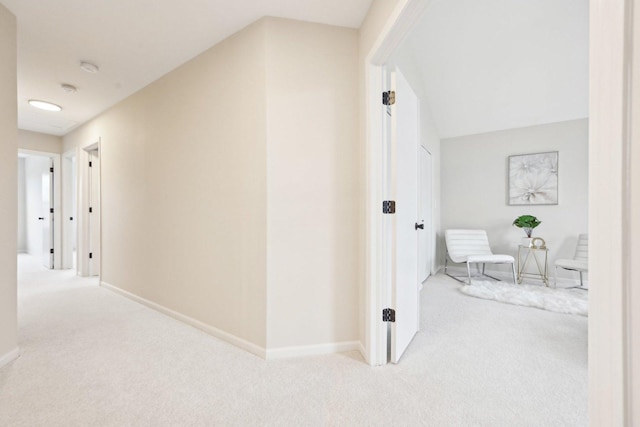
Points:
point(364, 353)
point(225, 336)
point(9, 357)
point(312, 350)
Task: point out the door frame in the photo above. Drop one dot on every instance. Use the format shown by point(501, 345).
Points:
point(83, 198)
point(378, 280)
point(57, 202)
point(432, 239)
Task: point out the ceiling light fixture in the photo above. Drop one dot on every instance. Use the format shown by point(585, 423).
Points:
point(89, 67)
point(44, 105)
point(68, 88)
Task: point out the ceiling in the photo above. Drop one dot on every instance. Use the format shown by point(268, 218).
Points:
point(484, 66)
point(494, 64)
point(133, 42)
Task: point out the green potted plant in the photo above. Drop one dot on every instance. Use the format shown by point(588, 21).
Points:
point(527, 223)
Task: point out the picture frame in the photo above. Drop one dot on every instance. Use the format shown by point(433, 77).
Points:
point(533, 179)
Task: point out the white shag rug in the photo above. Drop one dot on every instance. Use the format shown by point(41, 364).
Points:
point(569, 301)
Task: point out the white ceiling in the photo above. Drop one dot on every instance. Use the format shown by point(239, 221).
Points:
point(134, 42)
point(494, 64)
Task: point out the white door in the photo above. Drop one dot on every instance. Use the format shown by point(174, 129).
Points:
point(69, 184)
point(94, 213)
point(47, 218)
point(405, 182)
point(425, 236)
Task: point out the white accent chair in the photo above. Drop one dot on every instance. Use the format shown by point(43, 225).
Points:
point(472, 246)
point(579, 263)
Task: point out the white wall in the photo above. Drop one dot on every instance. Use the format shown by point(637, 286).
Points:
point(36, 141)
point(35, 167)
point(187, 173)
point(313, 188)
point(184, 189)
point(8, 186)
point(22, 207)
point(474, 183)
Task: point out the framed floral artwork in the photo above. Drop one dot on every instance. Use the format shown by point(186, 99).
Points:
point(533, 179)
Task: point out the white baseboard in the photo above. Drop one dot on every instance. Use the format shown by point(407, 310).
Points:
point(9, 357)
point(312, 350)
point(269, 354)
point(364, 353)
point(225, 336)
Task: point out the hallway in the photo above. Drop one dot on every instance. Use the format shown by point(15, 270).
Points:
point(91, 357)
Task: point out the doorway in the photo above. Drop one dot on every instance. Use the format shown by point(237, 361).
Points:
point(39, 210)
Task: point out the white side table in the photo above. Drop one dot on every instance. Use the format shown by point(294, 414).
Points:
point(540, 260)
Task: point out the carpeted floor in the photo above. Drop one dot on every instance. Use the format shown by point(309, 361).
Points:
point(91, 357)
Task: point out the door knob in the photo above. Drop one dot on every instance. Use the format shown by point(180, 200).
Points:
point(420, 226)
point(41, 218)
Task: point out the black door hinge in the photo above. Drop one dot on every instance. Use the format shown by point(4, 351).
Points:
point(388, 315)
point(50, 210)
point(51, 250)
point(90, 255)
point(388, 97)
point(90, 164)
point(51, 170)
point(389, 207)
point(90, 210)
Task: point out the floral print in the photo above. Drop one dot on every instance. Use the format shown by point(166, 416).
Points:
point(533, 179)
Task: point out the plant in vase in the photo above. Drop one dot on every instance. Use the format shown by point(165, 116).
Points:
point(527, 223)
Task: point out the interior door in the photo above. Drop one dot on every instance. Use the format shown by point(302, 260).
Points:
point(425, 236)
point(94, 213)
point(47, 218)
point(405, 173)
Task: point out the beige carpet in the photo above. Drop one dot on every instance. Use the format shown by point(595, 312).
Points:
point(93, 358)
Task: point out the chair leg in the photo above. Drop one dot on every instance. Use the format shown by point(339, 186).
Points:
point(513, 267)
point(469, 272)
point(555, 278)
point(483, 264)
point(581, 279)
point(446, 259)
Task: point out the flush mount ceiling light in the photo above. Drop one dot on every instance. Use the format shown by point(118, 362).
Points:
point(68, 88)
point(89, 67)
point(44, 105)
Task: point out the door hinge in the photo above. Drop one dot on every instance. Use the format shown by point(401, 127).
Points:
point(388, 315)
point(389, 207)
point(90, 210)
point(90, 164)
point(51, 250)
point(388, 97)
point(50, 210)
point(90, 255)
point(51, 170)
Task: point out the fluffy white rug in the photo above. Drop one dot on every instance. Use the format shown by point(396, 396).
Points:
point(570, 301)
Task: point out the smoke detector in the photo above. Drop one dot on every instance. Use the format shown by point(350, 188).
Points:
point(68, 88)
point(89, 67)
